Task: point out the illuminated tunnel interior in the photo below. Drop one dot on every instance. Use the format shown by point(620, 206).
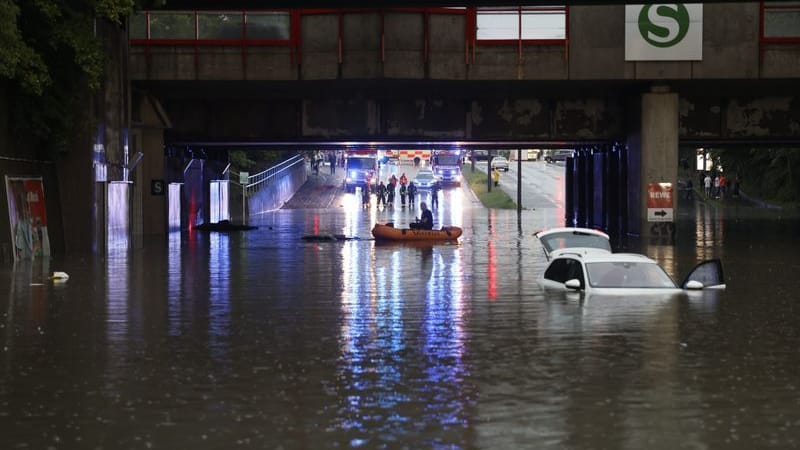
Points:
point(592, 177)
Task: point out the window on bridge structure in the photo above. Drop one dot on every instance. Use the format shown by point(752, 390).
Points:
point(527, 23)
point(268, 25)
point(137, 26)
point(781, 19)
point(221, 25)
point(172, 25)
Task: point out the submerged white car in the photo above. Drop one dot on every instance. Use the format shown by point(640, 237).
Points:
point(572, 237)
point(598, 271)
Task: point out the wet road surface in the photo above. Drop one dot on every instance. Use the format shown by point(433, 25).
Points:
point(262, 340)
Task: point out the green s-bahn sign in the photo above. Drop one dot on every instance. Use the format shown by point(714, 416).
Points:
point(664, 32)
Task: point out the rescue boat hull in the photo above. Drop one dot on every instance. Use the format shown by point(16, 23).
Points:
point(389, 233)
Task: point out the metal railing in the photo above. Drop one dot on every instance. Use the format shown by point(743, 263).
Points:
point(257, 181)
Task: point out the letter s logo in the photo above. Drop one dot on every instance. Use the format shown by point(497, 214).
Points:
point(664, 25)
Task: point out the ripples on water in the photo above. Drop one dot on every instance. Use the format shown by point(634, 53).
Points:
point(264, 340)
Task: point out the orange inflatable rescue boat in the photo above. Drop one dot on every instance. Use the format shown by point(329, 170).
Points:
point(387, 232)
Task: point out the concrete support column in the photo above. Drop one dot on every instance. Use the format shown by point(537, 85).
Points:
point(659, 144)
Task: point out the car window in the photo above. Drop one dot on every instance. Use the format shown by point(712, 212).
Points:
point(624, 274)
point(563, 269)
point(707, 272)
point(557, 271)
point(575, 271)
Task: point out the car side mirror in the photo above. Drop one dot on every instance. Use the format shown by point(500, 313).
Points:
point(574, 284)
point(694, 285)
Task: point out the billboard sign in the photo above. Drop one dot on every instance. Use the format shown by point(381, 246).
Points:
point(659, 202)
point(664, 32)
point(27, 214)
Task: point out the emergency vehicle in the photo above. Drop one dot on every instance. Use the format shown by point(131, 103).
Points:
point(361, 168)
point(446, 165)
point(414, 156)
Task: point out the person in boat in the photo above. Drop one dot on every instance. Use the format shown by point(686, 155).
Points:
point(425, 221)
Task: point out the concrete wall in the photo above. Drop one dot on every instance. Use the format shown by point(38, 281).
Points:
point(320, 47)
point(150, 208)
point(392, 45)
point(470, 114)
point(404, 56)
point(231, 119)
point(659, 144)
point(272, 196)
point(380, 79)
point(447, 47)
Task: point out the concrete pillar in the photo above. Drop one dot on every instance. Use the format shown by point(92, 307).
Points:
point(659, 144)
point(150, 207)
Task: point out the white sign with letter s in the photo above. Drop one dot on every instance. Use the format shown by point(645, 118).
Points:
point(664, 32)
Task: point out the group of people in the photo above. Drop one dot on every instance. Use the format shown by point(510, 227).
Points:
point(716, 185)
point(333, 159)
point(385, 193)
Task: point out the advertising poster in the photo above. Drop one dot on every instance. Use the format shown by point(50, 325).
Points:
point(659, 202)
point(27, 215)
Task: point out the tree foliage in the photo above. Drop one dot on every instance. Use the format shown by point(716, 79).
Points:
point(51, 58)
point(257, 160)
point(771, 174)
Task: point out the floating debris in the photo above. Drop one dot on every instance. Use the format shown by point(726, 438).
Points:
point(59, 277)
point(330, 238)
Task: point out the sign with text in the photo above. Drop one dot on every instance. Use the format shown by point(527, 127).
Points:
point(157, 187)
point(27, 214)
point(664, 32)
point(659, 202)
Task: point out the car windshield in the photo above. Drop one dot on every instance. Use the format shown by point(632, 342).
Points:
point(424, 176)
point(360, 163)
point(499, 159)
point(624, 274)
point(447, 160)
point(571, 239)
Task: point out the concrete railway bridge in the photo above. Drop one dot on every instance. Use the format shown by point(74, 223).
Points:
point(606, 79)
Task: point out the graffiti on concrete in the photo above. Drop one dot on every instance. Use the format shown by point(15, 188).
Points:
point(764, 117)
point(591, 118)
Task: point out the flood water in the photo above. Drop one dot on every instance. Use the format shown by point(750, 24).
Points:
point(263, 340)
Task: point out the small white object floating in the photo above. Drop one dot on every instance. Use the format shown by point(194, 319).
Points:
point(59, 276)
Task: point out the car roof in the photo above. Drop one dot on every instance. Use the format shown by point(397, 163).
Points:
point(596, 255)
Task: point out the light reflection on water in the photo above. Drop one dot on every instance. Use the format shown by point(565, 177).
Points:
point(261, 340)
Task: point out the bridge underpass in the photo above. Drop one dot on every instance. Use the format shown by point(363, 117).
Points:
point(422, 75)
point(600, 119)
point(608, 181)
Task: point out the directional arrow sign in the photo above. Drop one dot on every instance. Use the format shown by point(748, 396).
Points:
point(659, 214)
point(659, 202)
